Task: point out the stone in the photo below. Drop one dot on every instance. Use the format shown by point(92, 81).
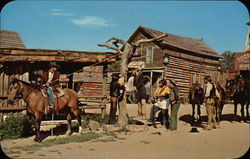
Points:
point(137, 128)
point(111, 128)
point(93, 125)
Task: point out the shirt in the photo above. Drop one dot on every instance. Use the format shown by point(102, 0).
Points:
point(162, 91)
point(208, 89)
point(51, 75)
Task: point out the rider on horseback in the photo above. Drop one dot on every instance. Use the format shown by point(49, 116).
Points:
point(50, 79)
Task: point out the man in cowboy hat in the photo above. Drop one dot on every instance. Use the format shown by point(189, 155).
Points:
point(161, 95)
point(175, 104)
point(140, 82)
point(114, 95)
point(50, 79)
point(210, 94)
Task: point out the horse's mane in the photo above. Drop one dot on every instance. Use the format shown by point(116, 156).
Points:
point(32, 85)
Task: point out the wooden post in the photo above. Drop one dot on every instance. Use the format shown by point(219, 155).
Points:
point(104, 89)
point(70, 83)
point(123, 120)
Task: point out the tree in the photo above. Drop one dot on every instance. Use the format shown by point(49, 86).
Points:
point(227, 61)
point(126, 53)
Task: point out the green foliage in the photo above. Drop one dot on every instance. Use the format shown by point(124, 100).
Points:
point(227, 61)
point(15, 127)
point(74, 138)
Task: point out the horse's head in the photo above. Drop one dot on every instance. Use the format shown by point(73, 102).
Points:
point(196, 93)
point(235, 86)
point(230, 87)
point(197, 89)
point(15, 91)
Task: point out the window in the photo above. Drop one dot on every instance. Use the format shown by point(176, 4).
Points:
point(150, 54)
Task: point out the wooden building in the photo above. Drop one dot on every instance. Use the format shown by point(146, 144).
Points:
point(186, 60)
point(242, 63)
point(75, 67)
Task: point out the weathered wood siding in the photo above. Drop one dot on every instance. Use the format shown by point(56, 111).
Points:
point(141, 53)
point(185, 72)
point(185, 68)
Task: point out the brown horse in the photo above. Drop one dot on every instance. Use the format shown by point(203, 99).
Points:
point(219, 104)
point(196, 97)
point(239, 90)
point(37, 104)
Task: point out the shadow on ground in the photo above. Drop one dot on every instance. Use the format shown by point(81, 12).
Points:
point(187, 118)
point(59, 130)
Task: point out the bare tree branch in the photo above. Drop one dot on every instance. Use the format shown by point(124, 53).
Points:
point(111, 47)
point(150, 40)
point(117, 41)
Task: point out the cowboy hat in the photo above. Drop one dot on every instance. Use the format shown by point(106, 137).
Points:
point(173, 82)
point(163, 81)
point(115, 75)
point(54, 64)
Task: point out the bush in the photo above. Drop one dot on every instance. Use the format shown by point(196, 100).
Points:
point(15, 127)
point(96, 117)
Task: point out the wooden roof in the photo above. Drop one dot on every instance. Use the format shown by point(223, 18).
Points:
point(10, 39)
point(45, 55)
point(196, 46)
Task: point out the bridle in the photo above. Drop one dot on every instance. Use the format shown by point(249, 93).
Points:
point(19, 95)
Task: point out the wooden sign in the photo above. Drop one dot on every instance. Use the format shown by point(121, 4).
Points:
point(242, 61)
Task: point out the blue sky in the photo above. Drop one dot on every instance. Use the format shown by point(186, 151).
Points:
point(81, 25)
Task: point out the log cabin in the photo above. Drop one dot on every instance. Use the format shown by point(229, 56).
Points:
point(186, 60)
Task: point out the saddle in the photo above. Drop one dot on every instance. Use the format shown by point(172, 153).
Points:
point(57, 94)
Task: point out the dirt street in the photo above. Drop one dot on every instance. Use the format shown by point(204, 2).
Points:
point(230, 140)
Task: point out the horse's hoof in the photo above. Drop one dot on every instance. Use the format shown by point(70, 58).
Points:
point(37, 140)
point(80, 130)
point(68, 133)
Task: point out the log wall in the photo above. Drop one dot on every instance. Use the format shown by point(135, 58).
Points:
point(185, 72)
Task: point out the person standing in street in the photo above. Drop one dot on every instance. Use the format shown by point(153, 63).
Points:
point(175, 104)
point(139, 83)
point(114, 95)
point(210, 94)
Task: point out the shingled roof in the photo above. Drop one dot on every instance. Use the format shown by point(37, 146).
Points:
point(187, 44)
point(10, 39)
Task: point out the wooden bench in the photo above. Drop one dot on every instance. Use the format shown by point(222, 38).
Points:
point(93, 102)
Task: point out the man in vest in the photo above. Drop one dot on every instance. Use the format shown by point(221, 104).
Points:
point(210, 94)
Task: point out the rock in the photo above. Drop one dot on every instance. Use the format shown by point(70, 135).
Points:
point(93, 125)
point(137, 128)
point(111, 128)
point(139, 120)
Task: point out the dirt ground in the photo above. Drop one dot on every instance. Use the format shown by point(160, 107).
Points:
point(230, 140)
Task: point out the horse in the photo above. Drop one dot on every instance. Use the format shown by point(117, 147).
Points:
point(37, 104)
point(239, 90)
point(196, 97)
point(219, 104)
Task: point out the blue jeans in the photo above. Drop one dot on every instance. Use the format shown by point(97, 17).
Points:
point(50, 93)
point(153, 110)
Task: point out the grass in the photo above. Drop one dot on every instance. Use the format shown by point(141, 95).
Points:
point(75, 138)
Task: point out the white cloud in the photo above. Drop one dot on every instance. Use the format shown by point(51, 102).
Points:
point(62, 14)
point(55, 10)
point(90, 21)
point(59, 12)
